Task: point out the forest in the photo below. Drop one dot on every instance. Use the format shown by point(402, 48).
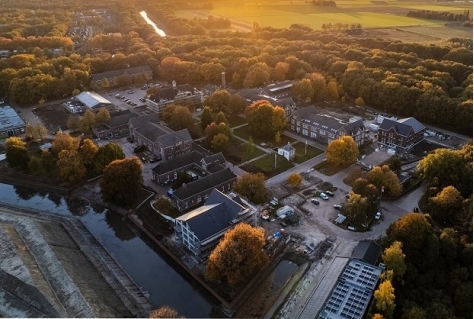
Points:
point(430, 82)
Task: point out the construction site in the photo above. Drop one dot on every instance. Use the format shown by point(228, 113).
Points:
point(51, 266)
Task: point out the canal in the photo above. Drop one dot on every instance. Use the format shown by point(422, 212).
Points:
point(139, 257)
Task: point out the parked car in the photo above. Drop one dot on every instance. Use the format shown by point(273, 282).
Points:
point(129, 91)
point(329, 193)
point(324, 196)
point(338, 207)
point(416, 210)
point(142, 99)
point(378, 215)
point(315, 201)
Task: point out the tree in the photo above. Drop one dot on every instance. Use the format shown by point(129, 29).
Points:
point(446, 205)
point(356, 208)
point(102, 116)
point(16, 153)
point(413, 313)
point(106, 154)
point(178, 117)
point(218, 101)
point(236, 105)
point(71, 169)
point(258, 114)
point(73, 123)
point(333, 90)
point(238, 256)
point(342, 152)
point(86, 121)
point(64, 141)
point(36, 131)
point(219, 142)
point(303, 90)
point(394, 259)
point(385, 180)
point(34, 166)
point(377, 316)
point(385, 298)
point(295, 179)
point(220, 118)
point(252, 186)
point(164, 312)
point(48, 161)
point(206, 117)
point(88, 151)
point(359, 101)
point(395, 164)
point(121, 182)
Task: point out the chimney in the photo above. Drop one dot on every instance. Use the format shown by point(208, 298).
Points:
point(223, 80)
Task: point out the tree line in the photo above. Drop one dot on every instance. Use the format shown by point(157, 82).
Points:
point(439, 15)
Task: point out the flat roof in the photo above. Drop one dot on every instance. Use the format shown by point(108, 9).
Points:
point(9, 118)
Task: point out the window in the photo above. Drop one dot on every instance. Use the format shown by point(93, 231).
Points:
point(322, 132)
point(305, 132)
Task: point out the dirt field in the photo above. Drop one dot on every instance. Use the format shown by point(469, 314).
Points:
point(54, 116)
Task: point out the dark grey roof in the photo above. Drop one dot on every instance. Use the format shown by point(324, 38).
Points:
point(288, 147)
point(274, 88)
point(151, 131)
point(367, 251)
point(169, 92)
point(400, 128)
point(219, 157)
point(202, 184)
point(310, 115)
point(138, 121)
point(417, 126)
point(171, 139)
point(354, 127)
point(177, 162)
point(120, 118)
point(117, 73)
point(215, 216)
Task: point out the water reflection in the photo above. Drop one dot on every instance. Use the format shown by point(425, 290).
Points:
point(139, 257)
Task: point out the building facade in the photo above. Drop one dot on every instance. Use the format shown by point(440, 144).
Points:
point(201, 229)
point(401, 135)
point(116, 126)
point(10, 123)
point(323, 128)
point(175, 94)
point(287, 151)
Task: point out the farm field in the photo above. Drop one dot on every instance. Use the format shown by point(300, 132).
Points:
point(281, 14)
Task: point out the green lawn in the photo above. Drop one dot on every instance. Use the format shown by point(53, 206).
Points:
point(327, 169)
point(237, 152)
point(281, 14)
point(243, 132)
point(310, 152)
point(266, 165)
point(236, 121)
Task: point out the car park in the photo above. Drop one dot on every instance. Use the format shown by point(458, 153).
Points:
point(315, 201)
point(324, 196)
point(329, 193)
point(378, 215)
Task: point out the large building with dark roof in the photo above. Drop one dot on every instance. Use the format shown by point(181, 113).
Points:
point(10, 123)
point(201, 229)
point(145, 130)
point(183, 94)
point(116, 126)
point(308, 122)
point(136, 75)
point(401, 135)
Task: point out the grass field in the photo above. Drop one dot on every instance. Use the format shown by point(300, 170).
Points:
point(243, 132)
point(300, 152)
point(281, 14)
point(266, 165)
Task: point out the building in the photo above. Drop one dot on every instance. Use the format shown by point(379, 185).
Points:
point(323, 128)
point(287, 151)
point(183, 94)
point(201, 229)
point(93, 101)
point(145, 130)
point(116, 126)
point(135, 75)
point(10, 123)
point(276, 98)
point(401, 135)
point(355, 286)
point(168, 171)
point(278, 90)
point(195, 192)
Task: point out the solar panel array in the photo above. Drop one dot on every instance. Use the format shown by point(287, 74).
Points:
point(351, 295)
